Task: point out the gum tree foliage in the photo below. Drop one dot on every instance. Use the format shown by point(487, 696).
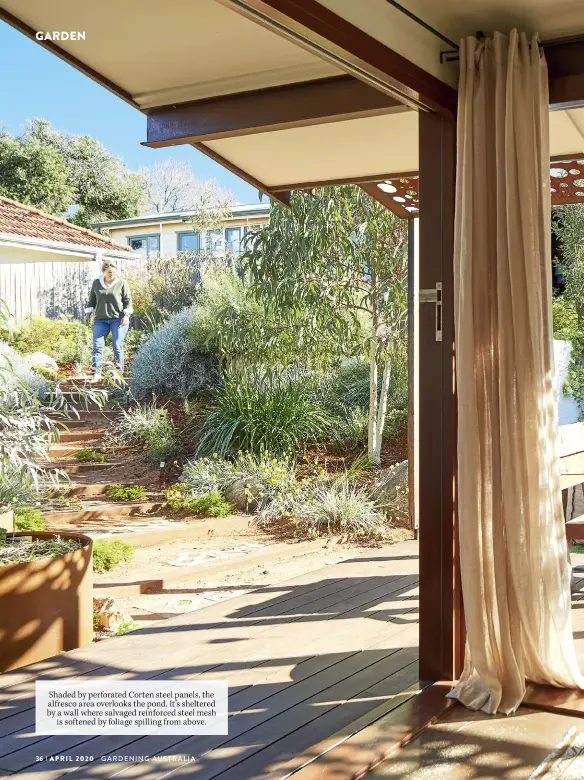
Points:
point(332, 272)
point(60, 172)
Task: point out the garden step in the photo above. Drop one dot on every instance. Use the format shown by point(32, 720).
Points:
point(83, 434)
point(90, 489)
point(86, 468)
point(142, 581)
point(77, 398)
point(88, 414)
point(97, 511)
point(154, 530)
point(97, 422)
point(70, 448)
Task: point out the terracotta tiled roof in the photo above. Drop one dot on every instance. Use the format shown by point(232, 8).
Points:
point(21, 220)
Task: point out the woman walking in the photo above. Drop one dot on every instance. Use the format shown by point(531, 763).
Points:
point(110, 302)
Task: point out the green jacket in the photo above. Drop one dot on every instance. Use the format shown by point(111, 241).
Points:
point(109, 302)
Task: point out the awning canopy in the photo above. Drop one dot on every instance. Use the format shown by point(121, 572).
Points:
point(292, 94)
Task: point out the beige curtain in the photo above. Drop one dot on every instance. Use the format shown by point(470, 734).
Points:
point(515, 571)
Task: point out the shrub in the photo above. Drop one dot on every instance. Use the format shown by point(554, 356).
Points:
point(206, 475)
point(126, 492)
point(15, 369)
point(126, 627)
point(142, 423)
point(348, 385)
point(351, 427)
point(168, 363)
point(345, 393)
point(64, 339)
point(266, 483)
point(181, 499)
point(29, 426)
point(28, 519)
point(565, 319)
point(166, 286)
point(396, 423)
point(109, 553)
point(222, 290)
point(277, 418)
point(90, 455)
point(164, 450)
point(151, 426)
point(338, 506)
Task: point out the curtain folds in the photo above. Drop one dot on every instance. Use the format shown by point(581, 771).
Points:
point(515, 570)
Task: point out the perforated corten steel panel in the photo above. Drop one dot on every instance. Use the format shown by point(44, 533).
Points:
point(400, 194)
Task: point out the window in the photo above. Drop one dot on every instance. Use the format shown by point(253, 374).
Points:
point(233, 239)
point(146, 245)
point(215, 242)
point(189, 242)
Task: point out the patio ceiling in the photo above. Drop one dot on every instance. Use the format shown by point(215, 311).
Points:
point(273, 89)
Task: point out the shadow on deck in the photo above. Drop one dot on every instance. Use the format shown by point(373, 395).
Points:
point(304, 660)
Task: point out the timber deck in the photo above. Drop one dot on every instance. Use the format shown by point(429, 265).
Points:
point(304, 659)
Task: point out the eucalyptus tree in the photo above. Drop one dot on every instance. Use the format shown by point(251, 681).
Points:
point(332, 270)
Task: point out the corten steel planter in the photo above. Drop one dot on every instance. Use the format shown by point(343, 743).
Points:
point(46, 606)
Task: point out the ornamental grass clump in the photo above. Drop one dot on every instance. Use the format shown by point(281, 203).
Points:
point(151, 426)
point(109, 553)
point(262, 417)
point(339, 507)
point(258, 482)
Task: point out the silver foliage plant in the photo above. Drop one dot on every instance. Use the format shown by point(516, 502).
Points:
point(167, 363)
point(16, 369)
point(30, 420)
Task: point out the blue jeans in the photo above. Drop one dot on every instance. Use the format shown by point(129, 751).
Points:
point(100, 330)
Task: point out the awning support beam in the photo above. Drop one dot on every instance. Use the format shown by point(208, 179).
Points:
point(277, 108)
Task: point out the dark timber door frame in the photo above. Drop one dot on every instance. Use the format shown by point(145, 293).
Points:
point(441, 618)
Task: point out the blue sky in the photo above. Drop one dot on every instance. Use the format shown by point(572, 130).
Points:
point(36, 83)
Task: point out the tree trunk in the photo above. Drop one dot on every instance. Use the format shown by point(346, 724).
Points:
point(382, 408)
point(372, 434)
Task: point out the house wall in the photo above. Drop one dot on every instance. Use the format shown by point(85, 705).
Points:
point(50, 288)
point(169, 232)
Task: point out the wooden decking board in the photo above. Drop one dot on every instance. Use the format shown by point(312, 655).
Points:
point(376, 741)
point(368, 618)
point(14, 684)
point(362, 594)
point(269, 763)
point(219, 610)
point(50, 667)
point(281, 725)
point(249, 696)
point(253, 696)
point(146, 662)
point(161, 639)
point(362, 599)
